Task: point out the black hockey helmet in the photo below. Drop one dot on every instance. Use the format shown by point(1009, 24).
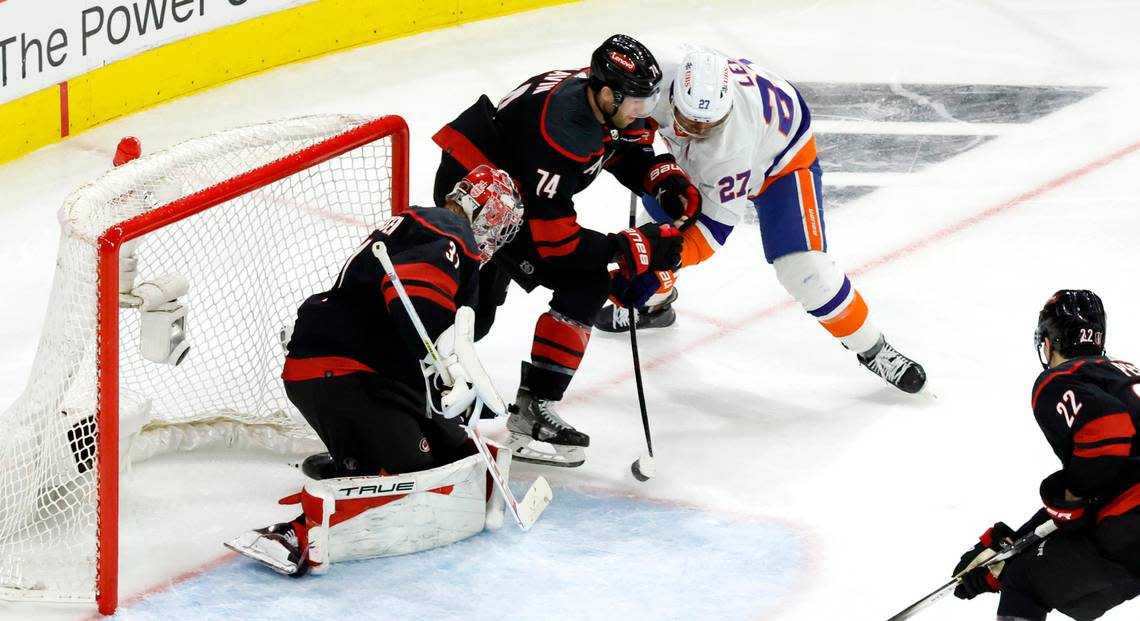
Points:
point(1074, 322)
point(626, 66)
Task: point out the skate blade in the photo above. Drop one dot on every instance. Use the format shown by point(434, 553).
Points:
point(250, 551)
point(528, 450)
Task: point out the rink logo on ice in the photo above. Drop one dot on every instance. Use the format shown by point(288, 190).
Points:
point(869, 160)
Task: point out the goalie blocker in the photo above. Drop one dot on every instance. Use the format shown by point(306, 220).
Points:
point(353, 518)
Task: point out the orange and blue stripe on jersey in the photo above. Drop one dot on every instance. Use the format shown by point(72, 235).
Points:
point(800, 152)
point(790, 201)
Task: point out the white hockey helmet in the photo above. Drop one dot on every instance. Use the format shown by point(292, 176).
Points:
point(700, 90)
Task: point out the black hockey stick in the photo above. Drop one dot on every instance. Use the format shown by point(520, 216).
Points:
point(643, 468)
point(1013, 549)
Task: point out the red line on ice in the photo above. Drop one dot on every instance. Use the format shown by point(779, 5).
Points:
point(171, 582)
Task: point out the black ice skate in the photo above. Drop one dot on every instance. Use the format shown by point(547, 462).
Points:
point(533, 423)
point(276, 547)
point(614, 318)
point(899, 371)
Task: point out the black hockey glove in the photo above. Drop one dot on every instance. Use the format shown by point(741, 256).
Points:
point(673, 190)
point(650, 246)
point(980, 580)
point(1068, 513)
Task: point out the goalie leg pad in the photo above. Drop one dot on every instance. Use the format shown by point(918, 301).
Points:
point(390, 515)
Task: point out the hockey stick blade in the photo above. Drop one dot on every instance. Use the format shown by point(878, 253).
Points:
point(537, 497)
point(535, 501)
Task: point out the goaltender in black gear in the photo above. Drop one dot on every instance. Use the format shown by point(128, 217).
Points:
point(354, 372)
point(1088, 407)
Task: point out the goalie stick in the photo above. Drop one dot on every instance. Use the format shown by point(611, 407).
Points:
point(1013, 549)
point(538, 497)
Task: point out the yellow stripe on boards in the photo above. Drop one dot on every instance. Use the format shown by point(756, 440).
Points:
point(230, 53)
point(29, 123)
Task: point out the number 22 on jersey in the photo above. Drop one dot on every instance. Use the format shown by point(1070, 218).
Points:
point(1069, 402)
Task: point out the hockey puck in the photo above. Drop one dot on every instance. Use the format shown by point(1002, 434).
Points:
point(643, 468)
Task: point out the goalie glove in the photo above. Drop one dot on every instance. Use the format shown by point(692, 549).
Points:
point(461, 371)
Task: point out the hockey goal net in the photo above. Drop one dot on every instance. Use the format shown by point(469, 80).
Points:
point(211, 245)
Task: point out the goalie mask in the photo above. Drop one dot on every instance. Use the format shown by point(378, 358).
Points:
point(493, 206)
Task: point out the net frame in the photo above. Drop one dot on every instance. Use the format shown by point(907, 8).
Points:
point(110, 243)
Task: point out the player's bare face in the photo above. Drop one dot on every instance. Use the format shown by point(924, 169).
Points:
point(694, 129)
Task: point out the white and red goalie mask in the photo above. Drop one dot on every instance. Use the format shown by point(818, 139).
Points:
point(492, 203)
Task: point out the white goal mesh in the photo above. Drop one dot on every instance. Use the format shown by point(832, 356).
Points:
point(301, 207)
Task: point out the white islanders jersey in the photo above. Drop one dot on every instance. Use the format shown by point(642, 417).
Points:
point(767, 135)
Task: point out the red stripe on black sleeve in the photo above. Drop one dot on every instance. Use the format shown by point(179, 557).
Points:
point(428, 274)
point(1116, 427)
point(1114, 449)
point(461, 148)
point(415, 291)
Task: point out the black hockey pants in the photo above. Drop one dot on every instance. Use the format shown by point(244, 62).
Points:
point(1067, 573)
point(369, 423)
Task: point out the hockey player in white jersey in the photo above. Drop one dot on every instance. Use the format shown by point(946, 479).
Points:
point(744, 137)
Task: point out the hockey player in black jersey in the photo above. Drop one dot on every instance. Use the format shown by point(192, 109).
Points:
point(554, 134)
point(1088, 407)
point(353, 366)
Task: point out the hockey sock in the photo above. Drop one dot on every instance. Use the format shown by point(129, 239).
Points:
point(827, 294)
point(559, 344)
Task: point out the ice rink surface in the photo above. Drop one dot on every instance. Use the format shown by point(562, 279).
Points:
point(977, 155)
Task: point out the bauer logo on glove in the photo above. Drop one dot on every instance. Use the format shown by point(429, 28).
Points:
point(673, 189)
point(650, 246)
